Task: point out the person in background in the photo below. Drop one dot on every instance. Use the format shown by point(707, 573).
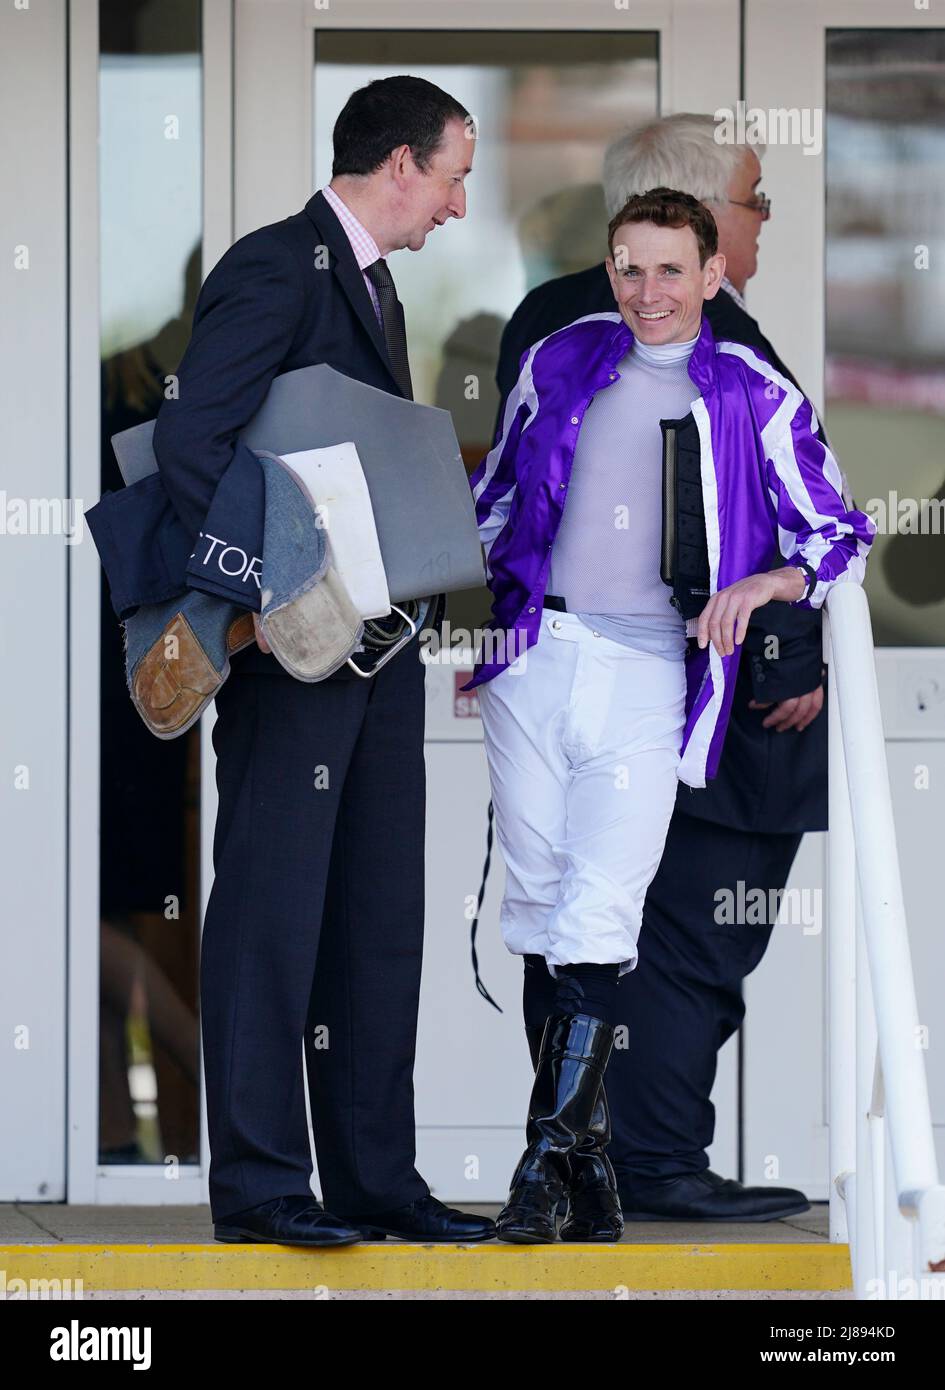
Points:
point(684, 999)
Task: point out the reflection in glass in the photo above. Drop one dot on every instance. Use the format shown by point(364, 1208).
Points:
point(886, 311)
point(546, 106)
point(150, 206)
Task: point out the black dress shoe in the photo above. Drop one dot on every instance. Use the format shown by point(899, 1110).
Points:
point(426, 1219)
point(707, 1197)
point(286, 1221)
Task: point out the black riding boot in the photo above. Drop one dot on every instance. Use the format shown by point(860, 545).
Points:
point(572, 1059)
point(534, 1036)
point(593, 1198)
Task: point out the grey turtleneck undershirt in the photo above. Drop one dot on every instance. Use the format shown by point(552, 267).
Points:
point(606, 557)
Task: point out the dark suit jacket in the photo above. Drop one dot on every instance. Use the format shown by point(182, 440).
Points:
point(285, 296)
point(766, 781)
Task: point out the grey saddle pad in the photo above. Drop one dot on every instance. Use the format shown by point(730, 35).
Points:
point(423, 508)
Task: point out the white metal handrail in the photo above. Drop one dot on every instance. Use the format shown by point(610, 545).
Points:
point(885, 1195)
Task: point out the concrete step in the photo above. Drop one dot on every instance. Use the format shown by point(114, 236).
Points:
point(120, 1250)
point(489, 1267)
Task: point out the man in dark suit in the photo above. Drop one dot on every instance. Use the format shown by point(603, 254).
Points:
point(684, 999)
point(318, 847)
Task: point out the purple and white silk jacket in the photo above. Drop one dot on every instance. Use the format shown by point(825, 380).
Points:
point(768, 484)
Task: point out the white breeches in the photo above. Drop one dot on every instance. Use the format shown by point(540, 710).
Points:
point(582, 736)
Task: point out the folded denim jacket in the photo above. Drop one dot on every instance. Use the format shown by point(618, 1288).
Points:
point(178, 648)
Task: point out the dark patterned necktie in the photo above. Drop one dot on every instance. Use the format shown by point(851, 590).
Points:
point(394, 335)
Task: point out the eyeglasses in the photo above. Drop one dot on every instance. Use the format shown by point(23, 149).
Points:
point(760, 204)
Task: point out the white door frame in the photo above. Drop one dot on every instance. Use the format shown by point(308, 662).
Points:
point(87, 1181)
point(277, 36)
point(34, 617)
point(246, 43)
point(785, 68)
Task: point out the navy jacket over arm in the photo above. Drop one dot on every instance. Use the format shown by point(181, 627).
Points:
point(766, 781)
point(285, 296)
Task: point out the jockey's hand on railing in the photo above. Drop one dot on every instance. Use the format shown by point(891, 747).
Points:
point(795, 713)
point(724, 620)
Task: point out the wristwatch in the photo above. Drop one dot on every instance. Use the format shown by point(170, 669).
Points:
point(811, 581)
